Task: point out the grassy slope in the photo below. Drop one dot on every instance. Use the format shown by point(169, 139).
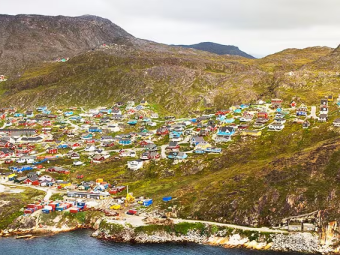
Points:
point(17, 201)
point(175, 81)
point(255, 181)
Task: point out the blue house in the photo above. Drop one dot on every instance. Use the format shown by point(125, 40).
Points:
point(226, 131)
point(177, 155)
point(238, 111)
point(17, 114)
point(125, 141)
point(95, 130)
point(175, 134)
point(181, 155)
point(147, 202)
point(132, 122)
point(301, 113)
point(106, 111)
point(47, 112)
point(62, 146)
point(41, 108)
point(69, 113)
point(88, 136)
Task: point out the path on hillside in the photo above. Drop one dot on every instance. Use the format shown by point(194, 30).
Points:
point(263, 229)
point(138, 221)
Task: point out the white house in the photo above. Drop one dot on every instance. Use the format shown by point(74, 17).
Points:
point(276, 126)
point(336, 123)
point(135, 164)
point(113, 127)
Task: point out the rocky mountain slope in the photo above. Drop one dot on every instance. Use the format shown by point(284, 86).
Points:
point(219, 49)
point(34, 38)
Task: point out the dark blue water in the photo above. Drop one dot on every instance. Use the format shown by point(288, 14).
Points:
point(80, 242)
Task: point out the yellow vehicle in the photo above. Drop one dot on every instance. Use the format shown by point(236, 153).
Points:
point(115, 207)
point(129, 199)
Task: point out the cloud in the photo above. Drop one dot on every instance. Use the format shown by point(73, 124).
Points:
point(256, 26)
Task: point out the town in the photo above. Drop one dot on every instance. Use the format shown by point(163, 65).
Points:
point(42, 148)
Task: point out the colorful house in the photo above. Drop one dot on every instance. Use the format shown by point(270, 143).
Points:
point(125, 141)
point(95, 130)
point(226, 131)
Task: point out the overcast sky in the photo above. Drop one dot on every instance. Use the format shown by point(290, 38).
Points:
point(258, 27)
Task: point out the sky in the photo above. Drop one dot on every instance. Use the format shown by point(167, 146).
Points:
point(258, 27)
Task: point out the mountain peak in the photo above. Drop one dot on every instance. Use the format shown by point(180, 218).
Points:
point(37, 38)
point(217, 48)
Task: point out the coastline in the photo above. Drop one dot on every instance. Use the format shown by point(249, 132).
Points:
point(134, 231)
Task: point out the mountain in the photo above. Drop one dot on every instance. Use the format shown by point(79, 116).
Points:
point(35, 38)
point(218, 49)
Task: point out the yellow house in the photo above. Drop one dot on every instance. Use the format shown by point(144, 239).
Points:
point(330, 98)
point(203, 146)
point(252, 132)
point(64, 184)
point(99, 180)
point(11, 177)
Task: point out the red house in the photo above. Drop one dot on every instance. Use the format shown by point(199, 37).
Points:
point(52, 150)
point(143, 143)
point(162, 131)
point(263, 115)
point(98, 159)
point(47, 123)
point(75, 145)
point(32, 182)
point(99, 115)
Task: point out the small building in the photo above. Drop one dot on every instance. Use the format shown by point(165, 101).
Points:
point(52, 150)
point(306, 124)
point(64, 184)
point(226, 131)
point(323, 109)
point(276, 126)
point(135, 164)
point(263, 115)
point(295, 227)
point(125, 141)
point(336, 123)
point(323, 117)
point(222, 138)
point(98, 158)
point(95, 130)
point(276, 103)
point(309, 227)
point(324, 101)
